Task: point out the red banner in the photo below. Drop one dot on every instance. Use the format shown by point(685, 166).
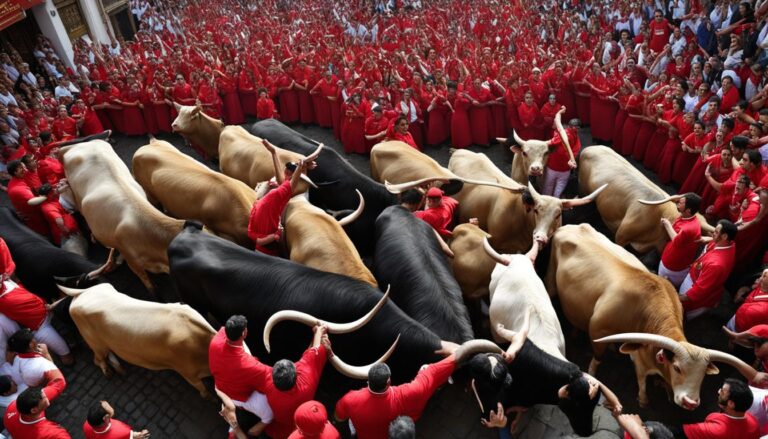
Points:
point(12, 11)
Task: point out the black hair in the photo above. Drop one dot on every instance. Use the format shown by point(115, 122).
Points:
point(451, 85)
point(13, 166)
point(578, 403)
point(29, 399)
point(754, 156)
point(96, 414)
point(20, 340)
point(402, 427)
point(728, 228)
point(235, 327)
point(729, 123)
point(411, 196)
point(5, 384)
point(740, 394)
point(45, 136)
point(45, 189)
point(692, 202)
point(378, 377)
point(284, 375)
point(740, 142)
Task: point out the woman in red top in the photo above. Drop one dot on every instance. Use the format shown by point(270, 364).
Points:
point(634, 109)
point(548, 112)
point(64, 127)
point(695, 182)
point(91, 123)
point(246, 90)
point(729, 96)
point(602, 108)
point(301, 76)
point(514, 96)
point(683, 127)
point(498, 110)
point(115, 107)
point(287, 99)
point(148, 111)
point(529, 119)
point(480, 113)
point(665, 122)
point(162, 107)
point(647, 127)
point(692, 149)
point(398, 130)
point(325, 85)
point(133, 119)
point(409, 108)
point(265, 106)
point(182, 94)
point(209, 96)
point(461, 136)
point(581, 91)
point(227, 85)
point(375, 127)
point(439, 126)
point(730, 195)
point(355, 113)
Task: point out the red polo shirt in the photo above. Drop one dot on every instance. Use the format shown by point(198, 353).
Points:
point(265, 215)
point(50, 170)
point(19, 192)
point(40, 428)
point(115, 430)
point(722, 426)
point(754, 310)
point(558, 159)
point(7, 266)
point(680, 252)
point(371, 412)
point(709, 273)
point(235, 372)
point(440, 217)
point(21, 306)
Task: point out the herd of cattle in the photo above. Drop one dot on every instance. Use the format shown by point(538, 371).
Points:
point(171, 214)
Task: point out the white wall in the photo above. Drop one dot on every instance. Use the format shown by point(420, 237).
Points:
point(52, 27)
point(95, 20)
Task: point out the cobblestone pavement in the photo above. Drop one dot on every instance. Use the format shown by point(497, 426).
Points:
point(169, 407)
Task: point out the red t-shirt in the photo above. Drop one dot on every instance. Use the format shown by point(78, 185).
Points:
point(265, 214)
point(709, 273)
point(265, 108)
point(754, 311)
point(371, 412)
point(235, 372)
point(679, 253)
point(659, 32)
point(19, 192)
point(23, 307)
point(40, 428)
point(440, 217)
point(115, 430)
point(558, 159)
point(7, 266)
point(722, 426)
point(50, 170)
point(52, 211)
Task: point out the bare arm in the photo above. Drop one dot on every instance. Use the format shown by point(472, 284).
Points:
point(278, 174)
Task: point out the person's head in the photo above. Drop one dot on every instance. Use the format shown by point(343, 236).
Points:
point(377, 111)
point(22, 341)
point(16, 168)
point(698, 128)
point(263, 92)
point(727, 124)
point(734, 396)
point(32, 401)
point(401, 124)
point(402, 427)
point(99, 414)
point(727, 82)
point(411, 199)
point(742, 183)
point(46, 190)
point(726, 157)
point(30, 162)
point(7, 385)
point(434, 197)
point(678, 104)
point(689, 204)
point(577, 400)
point(751, 159)
point(378, 377)
point(284, 375)
point(738, 146)
point(236, 328)
point(657, 430)
point(724, 232)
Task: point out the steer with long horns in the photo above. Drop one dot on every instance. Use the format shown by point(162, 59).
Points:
point(607, 291)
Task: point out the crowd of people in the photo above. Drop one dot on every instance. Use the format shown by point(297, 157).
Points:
point(678, 86)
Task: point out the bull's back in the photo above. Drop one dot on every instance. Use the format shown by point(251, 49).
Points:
point(396, 162)
point(471, 265)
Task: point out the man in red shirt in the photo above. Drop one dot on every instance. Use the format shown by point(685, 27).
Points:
point(372, 409)
point(264, 223)
point(754, 310)
point(562, 158)
point(20, 193)
point(703, 286)
point(684, 235)
point(61, 223)
point(312, 423)
point(734, 399)
point(25, 417)
point(439, 211)
point(7, 266)
point(659, 29)
point(100, 425)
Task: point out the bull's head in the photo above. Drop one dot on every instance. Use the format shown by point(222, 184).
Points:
point(187, 116)
point(533, 153)
point(547, 211)
point(681, 364)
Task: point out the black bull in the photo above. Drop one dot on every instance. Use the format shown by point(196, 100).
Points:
point(410, 260)
point(336, 180)
point(217, 276)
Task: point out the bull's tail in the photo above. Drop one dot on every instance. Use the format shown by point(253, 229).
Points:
point(72, 292)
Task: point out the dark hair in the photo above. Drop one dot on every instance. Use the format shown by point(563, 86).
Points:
point(45, 136)
point(29, 399)
point(578, 403)
point(402, 427)
point(399, 119)
point(754, 156)
point(740, 142)
point(235, 327)
point(692, 202)
point(728, 228)
point(740, 394)
point(96, 414)
point(378, 377)
point(284, 375)
point(699, 123)
point(729, 123)
point(45, 189)
point(13, 166)
point(262, 89)
point(684, 85)
point(680, 103)
point(411, 196)
point(451, 85)
point(20, 340)
point(657, 430)
point(27, 160)
point(5, 383)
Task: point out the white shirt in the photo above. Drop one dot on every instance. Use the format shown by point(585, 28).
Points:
point(8, 99)
point(32, 370)
point(10, 69)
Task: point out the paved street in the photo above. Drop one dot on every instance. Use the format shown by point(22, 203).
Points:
point(170, 408)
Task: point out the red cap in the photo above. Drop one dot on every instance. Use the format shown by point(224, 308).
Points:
point(759, 331)
point(434, 192)
point(311, 418)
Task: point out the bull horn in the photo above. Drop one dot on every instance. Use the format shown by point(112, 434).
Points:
point(360, 372)
point(586, 200)
point(745, 369)
point(308, 180)
point(533, 191)
point(356, 214)
point(662, 201)
point(177, 105)
point(104, 268)
point(502, 140)
point(402, 187)
point(315, 154)
point(517, 138)
point(493, 253)
point(73, 292)
point(645, 338)
point(309, 320)
point(472, 347)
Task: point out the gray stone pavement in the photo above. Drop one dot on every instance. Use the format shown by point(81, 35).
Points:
point(169, 407)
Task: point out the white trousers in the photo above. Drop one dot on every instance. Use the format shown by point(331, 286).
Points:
point(555, 182)
point(676, 277)
point(47, 334)
point(684, 287)
point(258, 405)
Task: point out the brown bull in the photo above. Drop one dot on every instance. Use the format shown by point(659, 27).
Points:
point(633, 221)
point(531, 155)
point(189, 190)
point(116, 208)
point(317, 240)
point(243, 156)
point(606, 291)
point(198, 128)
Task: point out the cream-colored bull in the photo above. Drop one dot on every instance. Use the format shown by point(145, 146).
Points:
point(606, 291)
point(198, 128)
point(189, 190)
point(116, 208)
point(148, 334)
